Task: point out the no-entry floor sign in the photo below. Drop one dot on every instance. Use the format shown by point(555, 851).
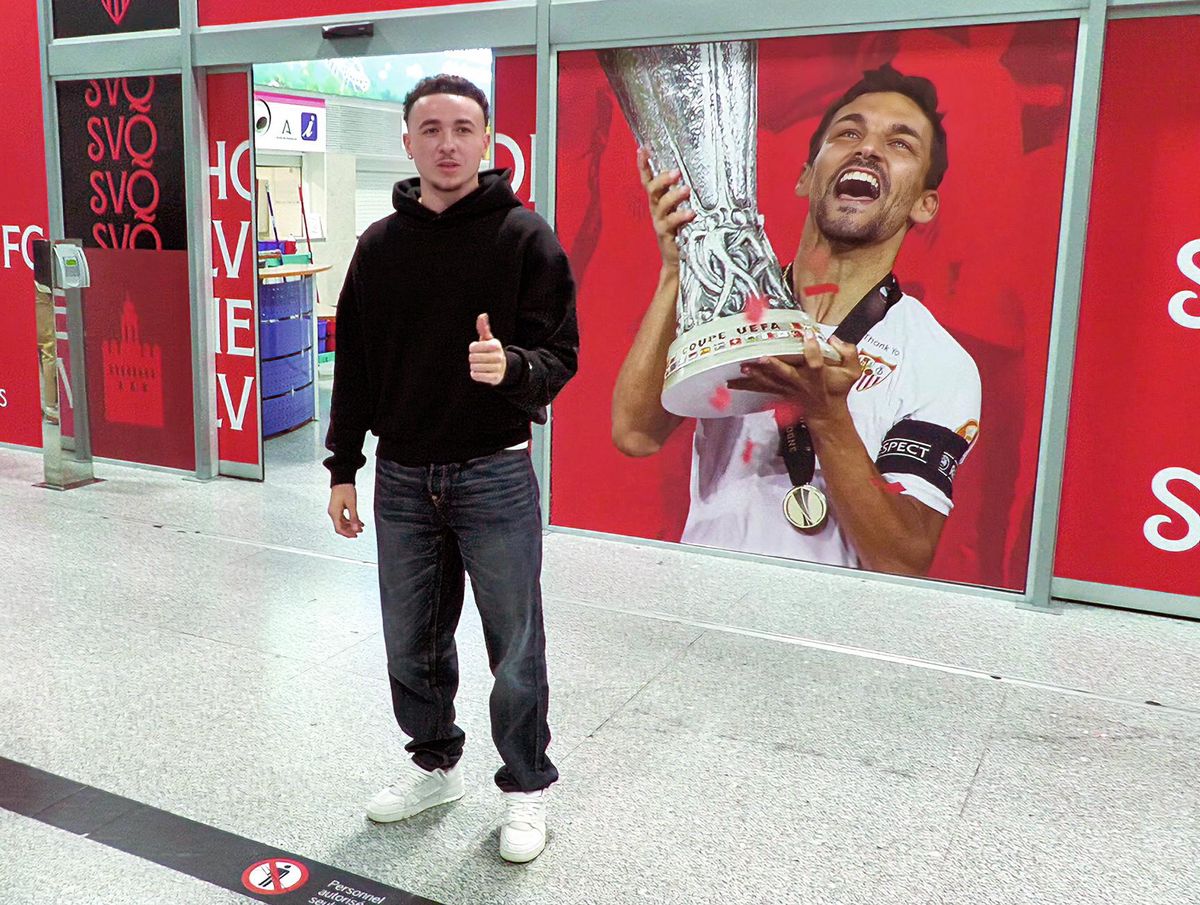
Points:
point(274, 876)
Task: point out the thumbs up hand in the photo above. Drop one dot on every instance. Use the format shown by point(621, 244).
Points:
point(488, 361)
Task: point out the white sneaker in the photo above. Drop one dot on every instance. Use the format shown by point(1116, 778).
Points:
point(415, 791)
point(523, 831)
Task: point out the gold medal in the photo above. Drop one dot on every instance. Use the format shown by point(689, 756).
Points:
point(805, 507)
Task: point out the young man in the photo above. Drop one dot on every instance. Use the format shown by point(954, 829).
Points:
point(890, 425)
point(456, 327)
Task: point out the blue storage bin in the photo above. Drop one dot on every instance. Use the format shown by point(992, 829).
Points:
point(282, 375)
point(287, 337)
point(282, 413)
point(277, 301)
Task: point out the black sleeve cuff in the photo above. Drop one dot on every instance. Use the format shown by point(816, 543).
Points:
point(516, 371)
point(341, 475)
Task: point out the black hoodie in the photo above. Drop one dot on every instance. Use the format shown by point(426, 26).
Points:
point(406, 316)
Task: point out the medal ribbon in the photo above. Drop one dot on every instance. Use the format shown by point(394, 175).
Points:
point(795, 440)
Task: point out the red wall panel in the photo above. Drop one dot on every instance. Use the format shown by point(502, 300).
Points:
point(516, 119)
point(1131, 490)
point(139, 357)
point(23, 216)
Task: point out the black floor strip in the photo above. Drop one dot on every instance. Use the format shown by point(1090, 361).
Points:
point(223, 859)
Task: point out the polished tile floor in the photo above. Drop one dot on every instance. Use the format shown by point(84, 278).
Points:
point(728, 731)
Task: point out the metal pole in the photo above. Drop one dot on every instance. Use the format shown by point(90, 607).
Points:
point(50, 123)
point(204, 324)
point(1068, 286)
point(540, 185)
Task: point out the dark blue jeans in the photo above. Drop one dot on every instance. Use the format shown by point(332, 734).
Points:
point(432, 522)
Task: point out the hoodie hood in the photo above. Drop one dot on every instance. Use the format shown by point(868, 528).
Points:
point(493, 194)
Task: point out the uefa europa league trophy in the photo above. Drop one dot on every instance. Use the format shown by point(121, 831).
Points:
point(695, 106)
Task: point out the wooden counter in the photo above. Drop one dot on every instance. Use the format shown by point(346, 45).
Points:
point(292, 270)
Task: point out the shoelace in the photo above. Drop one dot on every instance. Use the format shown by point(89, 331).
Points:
point(525, 811)
point(408, 783)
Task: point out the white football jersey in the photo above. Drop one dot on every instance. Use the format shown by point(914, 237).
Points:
point(916, 409)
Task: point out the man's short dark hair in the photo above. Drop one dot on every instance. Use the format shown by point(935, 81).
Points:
point(919, 90)
point(446, 84)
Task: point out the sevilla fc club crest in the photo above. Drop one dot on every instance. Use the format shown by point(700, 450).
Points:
point(116, 9)
point(874, 371)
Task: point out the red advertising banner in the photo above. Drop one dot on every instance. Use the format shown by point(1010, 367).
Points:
point(121, 146)
point(1131, 490)
point(515, 101)
point(979, 275)
point(122, 160)
point(239, 422)
point(139, 357)
point(232, 12)
point(23, 216)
